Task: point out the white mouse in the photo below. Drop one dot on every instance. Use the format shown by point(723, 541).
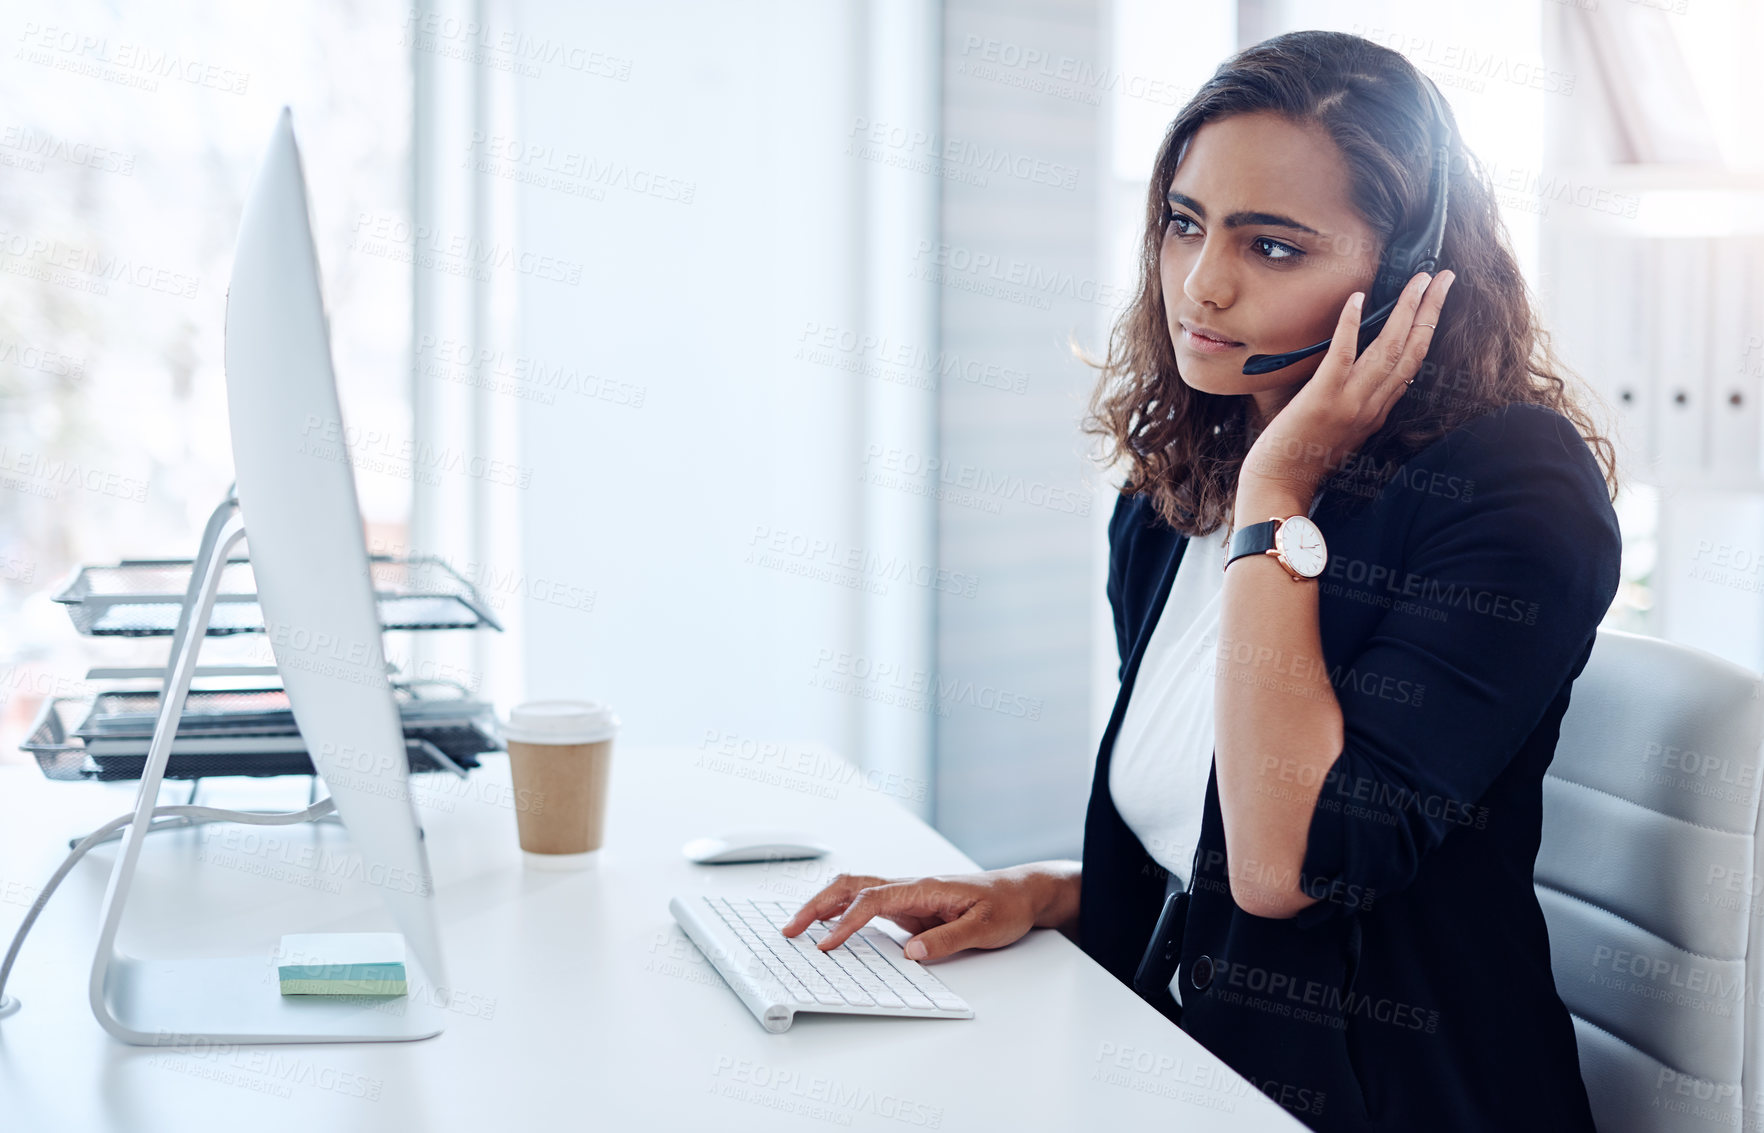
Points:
point(753, 845)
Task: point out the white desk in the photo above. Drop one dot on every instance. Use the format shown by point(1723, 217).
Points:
point(579, 1004)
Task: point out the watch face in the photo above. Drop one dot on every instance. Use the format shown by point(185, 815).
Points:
point(1301, 543)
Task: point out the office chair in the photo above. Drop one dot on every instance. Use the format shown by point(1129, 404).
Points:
point(1649, 877)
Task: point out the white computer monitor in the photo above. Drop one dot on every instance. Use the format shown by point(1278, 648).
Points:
point(302, 522)
point(296, 489)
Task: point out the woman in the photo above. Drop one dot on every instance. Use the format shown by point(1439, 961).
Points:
point(1342, 767)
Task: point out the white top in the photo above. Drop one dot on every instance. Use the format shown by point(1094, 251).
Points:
point(1164, 751)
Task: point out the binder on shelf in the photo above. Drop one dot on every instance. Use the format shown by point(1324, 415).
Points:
point(1620, 340)
point(1680, 322)
point(1573, 276)
point(1736, 338)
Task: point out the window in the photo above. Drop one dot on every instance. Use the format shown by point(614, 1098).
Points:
point(128, 140)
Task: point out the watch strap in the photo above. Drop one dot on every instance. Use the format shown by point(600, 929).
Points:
point(1256, 539)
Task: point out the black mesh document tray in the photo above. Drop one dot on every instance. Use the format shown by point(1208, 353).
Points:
point(143, 597)
point(236, 732)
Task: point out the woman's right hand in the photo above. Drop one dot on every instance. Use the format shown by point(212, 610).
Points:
point(945, 913)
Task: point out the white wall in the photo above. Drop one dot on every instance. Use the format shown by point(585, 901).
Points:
point(692, 299)
point(771, 559)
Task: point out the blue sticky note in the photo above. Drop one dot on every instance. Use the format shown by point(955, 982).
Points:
point(342, 963)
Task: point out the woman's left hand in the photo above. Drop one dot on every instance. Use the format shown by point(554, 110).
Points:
point(1348, 398)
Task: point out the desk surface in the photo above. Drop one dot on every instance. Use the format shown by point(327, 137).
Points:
point(577, 999)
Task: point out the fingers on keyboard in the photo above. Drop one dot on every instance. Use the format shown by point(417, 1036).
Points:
point(869, 903)
point(819, 907)
point(846, 926)
point(829, 902)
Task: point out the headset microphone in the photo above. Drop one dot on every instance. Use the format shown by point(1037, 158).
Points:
point(1403, 257)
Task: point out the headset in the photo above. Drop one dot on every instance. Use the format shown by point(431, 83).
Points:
point(1404, 256)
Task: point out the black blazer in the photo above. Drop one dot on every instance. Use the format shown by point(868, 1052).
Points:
point(1456, 609)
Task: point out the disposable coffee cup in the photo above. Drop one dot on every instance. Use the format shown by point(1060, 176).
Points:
point(559, 753)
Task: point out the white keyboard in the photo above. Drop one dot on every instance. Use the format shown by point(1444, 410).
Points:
point(778, 975)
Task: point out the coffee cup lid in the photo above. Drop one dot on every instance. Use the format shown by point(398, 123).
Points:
point(560, 722)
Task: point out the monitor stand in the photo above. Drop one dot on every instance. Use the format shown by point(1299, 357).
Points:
point(234, 999)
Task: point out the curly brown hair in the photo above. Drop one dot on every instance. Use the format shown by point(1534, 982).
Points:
point(1187, 446)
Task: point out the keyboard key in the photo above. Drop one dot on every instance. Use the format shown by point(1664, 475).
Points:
point(806, 954)
point(881, 969)
point(849, 987)
point(790, 982)
point(926, 984)
point(875, 954)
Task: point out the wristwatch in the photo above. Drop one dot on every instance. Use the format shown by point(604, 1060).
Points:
point(1295, 542)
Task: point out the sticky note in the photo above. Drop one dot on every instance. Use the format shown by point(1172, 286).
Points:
point(342, 963)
